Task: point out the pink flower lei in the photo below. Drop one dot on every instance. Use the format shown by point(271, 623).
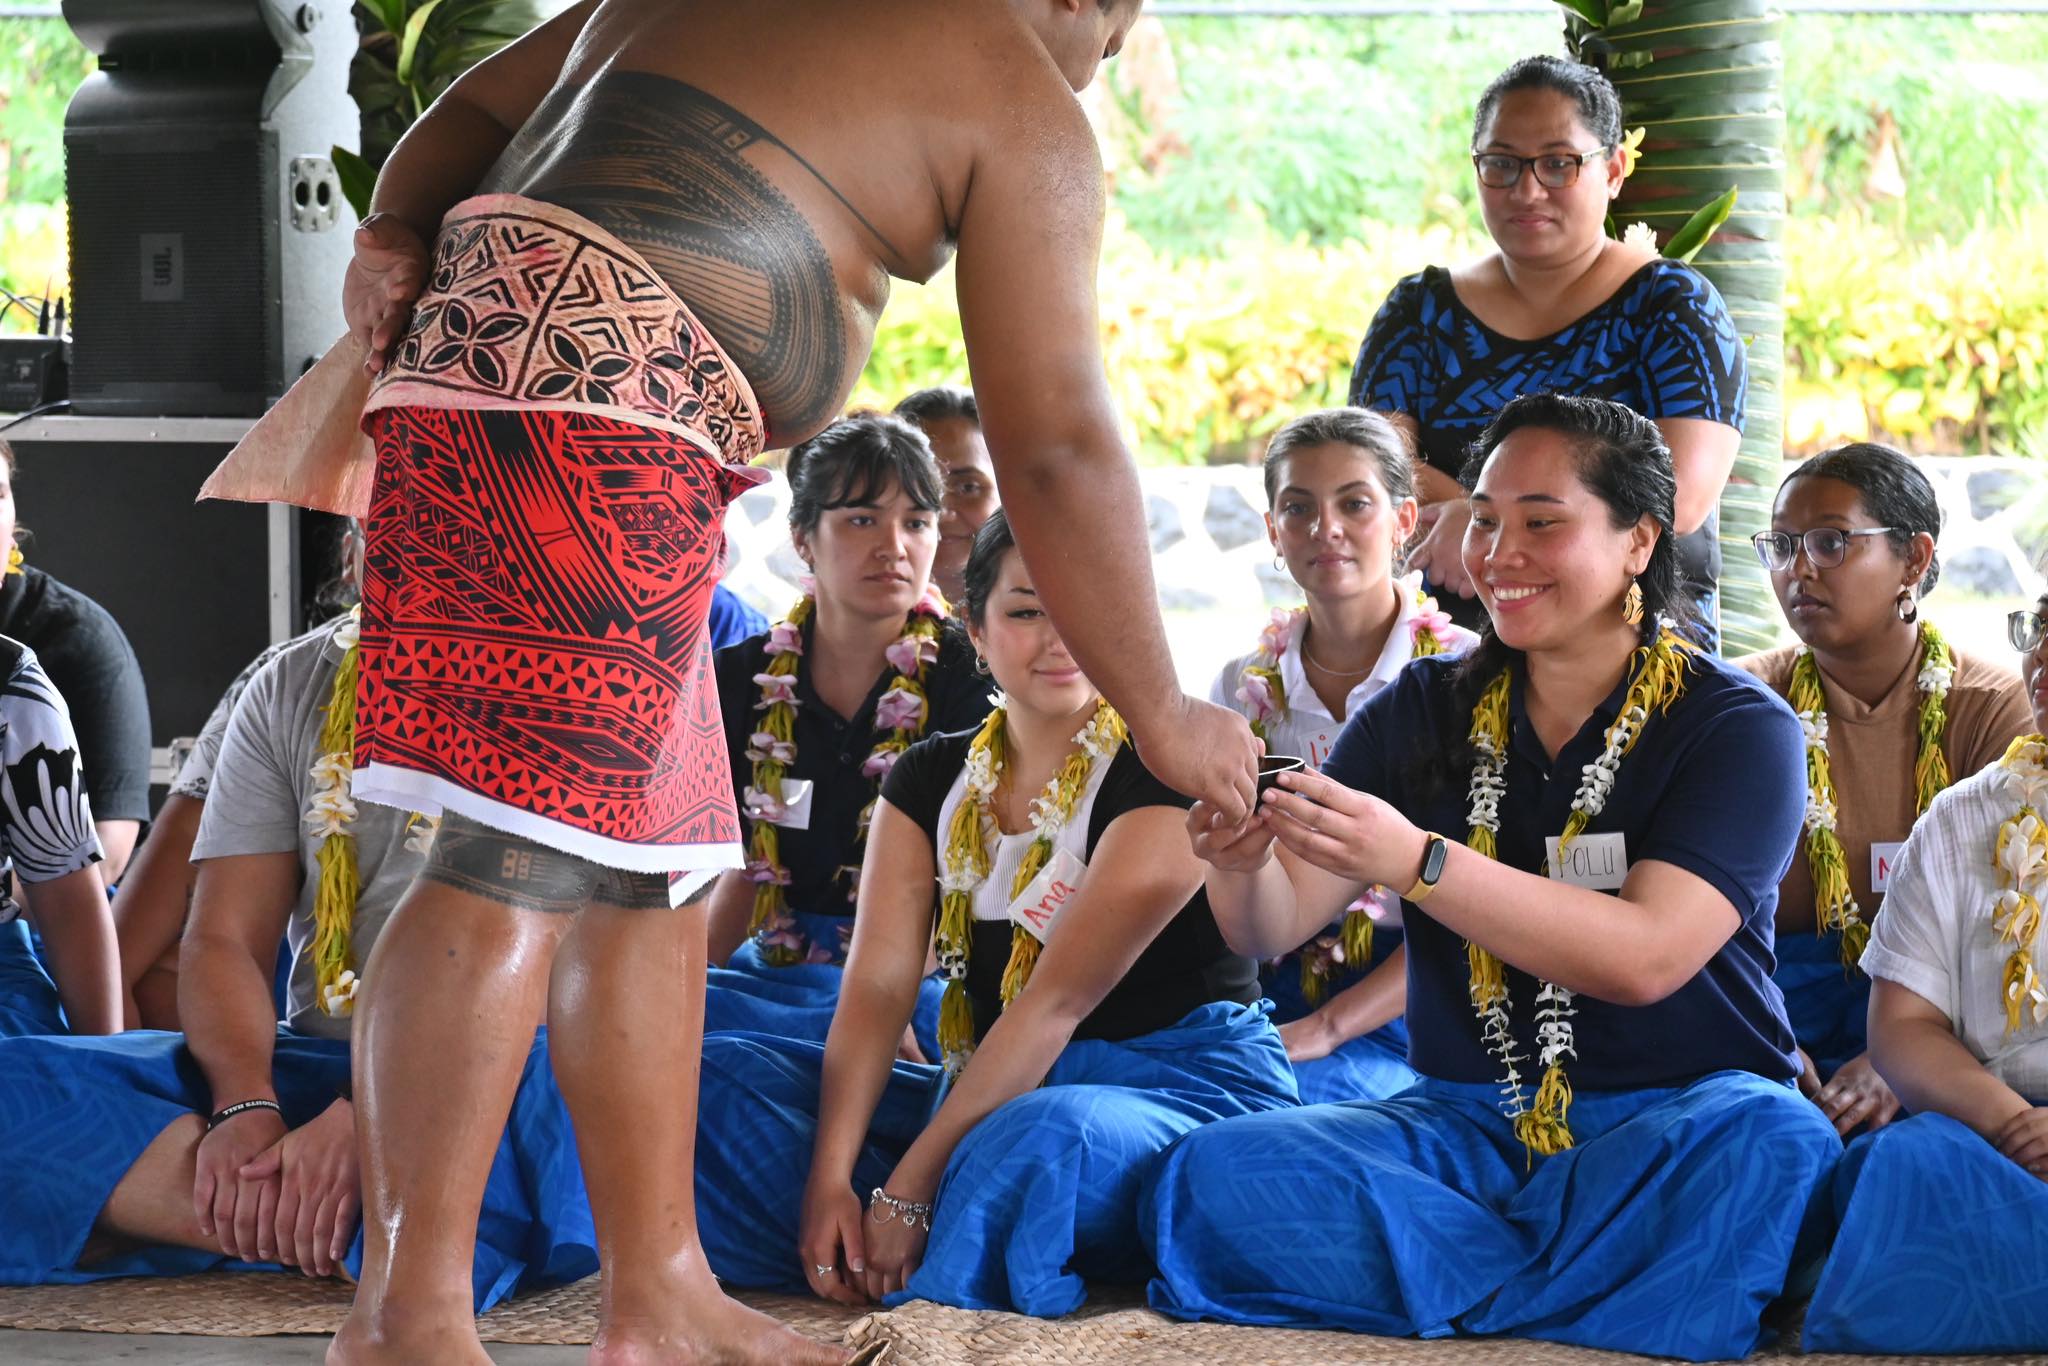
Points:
point(900, 714)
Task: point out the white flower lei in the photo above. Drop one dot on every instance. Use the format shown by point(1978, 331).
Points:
point(2020, 854)
point(1554, 1009)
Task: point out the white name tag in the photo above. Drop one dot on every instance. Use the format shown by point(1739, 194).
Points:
point(1596, 862)
point(1039, 907)
point(796, 805)
point(1883, 858)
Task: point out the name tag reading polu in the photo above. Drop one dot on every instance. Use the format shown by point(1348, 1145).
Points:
point(1039, 907)
point(1884, 858)
point(1596, 862)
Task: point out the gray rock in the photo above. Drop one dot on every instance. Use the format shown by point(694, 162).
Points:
point(1980, 569)
point(1174, 597)
point(1162, 520)
point(758, 503)
point(1277, 586)
point(786, 564)
point(1230, 518)
point(1993, 491)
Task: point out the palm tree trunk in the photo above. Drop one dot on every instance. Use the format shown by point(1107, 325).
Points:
point(1705, 79)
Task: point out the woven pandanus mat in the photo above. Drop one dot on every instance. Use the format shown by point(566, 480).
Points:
point(254, 1305)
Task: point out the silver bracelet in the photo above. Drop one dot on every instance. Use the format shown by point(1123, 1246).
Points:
point(882, 1207)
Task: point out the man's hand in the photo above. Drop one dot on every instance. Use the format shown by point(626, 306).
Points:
point(377, 293)
point(2024, 1139)
point(1207, 752)
point(1439, 549)
point(240, 1213)
point(1857, 1096)
point(319, 1191)
point(1809, 1076)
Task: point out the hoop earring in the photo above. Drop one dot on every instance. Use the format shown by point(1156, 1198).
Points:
point(981, 666)
point(1280, 563)
point(1632, 604)
point(1909, 606)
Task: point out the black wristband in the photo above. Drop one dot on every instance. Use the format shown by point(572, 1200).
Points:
point(221, 1116)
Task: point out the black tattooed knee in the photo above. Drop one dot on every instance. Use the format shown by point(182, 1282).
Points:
point(630, 891)
point(511, 871)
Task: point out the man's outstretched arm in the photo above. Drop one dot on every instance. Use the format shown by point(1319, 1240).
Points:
point(1030, 242)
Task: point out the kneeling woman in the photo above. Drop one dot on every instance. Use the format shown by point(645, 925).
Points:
point(1890, 711)
point(1953, 1200)
point(1605, 1147)
point(818, 708)
point(1088, 981)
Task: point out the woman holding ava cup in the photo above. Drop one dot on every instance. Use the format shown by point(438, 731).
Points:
point(1558, 306)
point(1600, 1049)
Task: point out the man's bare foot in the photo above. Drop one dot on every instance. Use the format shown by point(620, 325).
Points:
point(361, 1343)
point(711, 1331)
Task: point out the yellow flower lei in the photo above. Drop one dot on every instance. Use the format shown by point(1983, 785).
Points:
point(1354, 937)
point(2020, 854)
point(773, 752)
point(1834, 904)
point(1657, 680)
point(966, 863)
point(14, 560)
point(331, 814)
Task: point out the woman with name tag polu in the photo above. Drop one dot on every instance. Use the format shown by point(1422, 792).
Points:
point(1004, 1177)
point(1605, 1147)
point(815, 712)
point(1892, 714)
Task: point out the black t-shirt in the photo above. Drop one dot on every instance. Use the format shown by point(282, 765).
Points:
point(93, 668)
point(829, 753)
point(1185, 966)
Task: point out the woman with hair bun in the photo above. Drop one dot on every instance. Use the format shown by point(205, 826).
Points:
point(1892, 714)
point(1558, 306)
point(1605, 1147)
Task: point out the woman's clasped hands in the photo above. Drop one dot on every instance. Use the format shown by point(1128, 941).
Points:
point(1351, 834)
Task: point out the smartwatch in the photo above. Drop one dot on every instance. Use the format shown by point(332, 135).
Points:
point(1433, 855)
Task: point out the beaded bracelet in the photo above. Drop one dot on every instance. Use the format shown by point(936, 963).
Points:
point(220, 1117)
point(882, 1207)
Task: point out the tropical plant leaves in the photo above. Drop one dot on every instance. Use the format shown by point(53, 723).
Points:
point(1687, 241)
point(358, 179)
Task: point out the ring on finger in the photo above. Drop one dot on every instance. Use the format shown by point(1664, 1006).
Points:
point(823, 1271)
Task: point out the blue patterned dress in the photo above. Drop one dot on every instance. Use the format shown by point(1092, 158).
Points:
point(1663, 344)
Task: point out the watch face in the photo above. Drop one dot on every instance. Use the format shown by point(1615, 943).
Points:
point(1433, 858)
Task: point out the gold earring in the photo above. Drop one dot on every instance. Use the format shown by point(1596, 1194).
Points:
point(1632, 604)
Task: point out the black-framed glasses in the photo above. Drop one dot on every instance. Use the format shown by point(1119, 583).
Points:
point(1554, 170)
point(2024, 630)
point(1825, 545)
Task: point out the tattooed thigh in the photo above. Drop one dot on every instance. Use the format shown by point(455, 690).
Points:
point(511, 871)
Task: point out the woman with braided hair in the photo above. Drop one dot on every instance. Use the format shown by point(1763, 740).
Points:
point(1892, 714)
point(816, 711)
point(1092, 1014)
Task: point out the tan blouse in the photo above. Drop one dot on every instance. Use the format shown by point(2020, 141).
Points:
point(1871, 752)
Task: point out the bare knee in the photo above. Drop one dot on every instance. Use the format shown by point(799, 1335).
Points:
point(153, 1202)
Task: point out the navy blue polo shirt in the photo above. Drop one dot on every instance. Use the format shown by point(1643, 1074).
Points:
point(1716, 786)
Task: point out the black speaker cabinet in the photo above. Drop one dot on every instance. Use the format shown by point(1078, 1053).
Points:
point(208, 229)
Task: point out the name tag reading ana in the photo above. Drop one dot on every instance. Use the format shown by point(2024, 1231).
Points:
point(1039, 907)
point(1596, 862)
point(1883, 858)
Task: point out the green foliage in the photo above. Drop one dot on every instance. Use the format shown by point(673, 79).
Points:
point(414, 50)
point(40, 65)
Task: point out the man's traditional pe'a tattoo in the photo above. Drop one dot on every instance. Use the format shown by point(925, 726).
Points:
point(664, 166)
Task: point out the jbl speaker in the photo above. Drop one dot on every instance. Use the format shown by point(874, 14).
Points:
point(208, 229)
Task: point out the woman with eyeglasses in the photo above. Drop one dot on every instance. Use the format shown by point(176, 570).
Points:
point(1941, 1215)
point(1558, 306)
point(1891, 711)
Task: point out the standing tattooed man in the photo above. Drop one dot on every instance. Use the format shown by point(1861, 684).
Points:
point(662, 233)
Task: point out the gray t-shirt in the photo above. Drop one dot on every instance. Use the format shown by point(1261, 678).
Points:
point(195, 775)
point(261, 787)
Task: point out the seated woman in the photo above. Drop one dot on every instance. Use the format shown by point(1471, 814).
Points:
point(818, 708)
point(1340, 504)
point(1557, 306)
point(1890, 712)
point(89, 661)
point(132, 1177)
point(1092, 1015)
point(48, 844)
point(949, 418)
point(1605, 1147)
point(1940, 1247)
